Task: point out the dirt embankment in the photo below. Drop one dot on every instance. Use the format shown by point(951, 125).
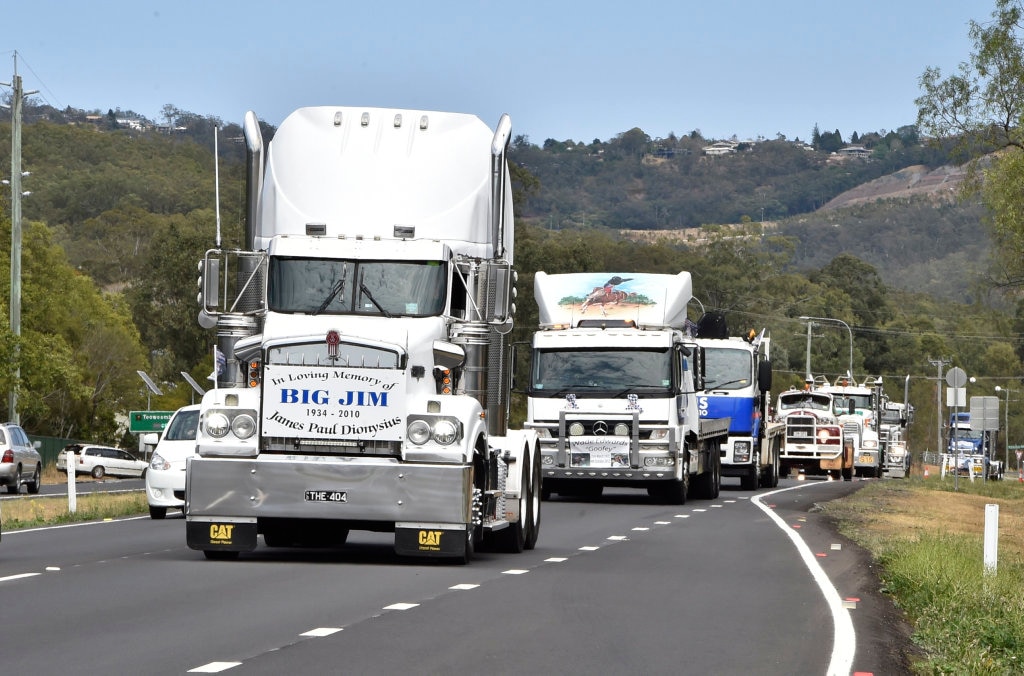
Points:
point(940, 184)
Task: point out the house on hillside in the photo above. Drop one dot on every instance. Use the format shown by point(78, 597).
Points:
point(853, 150)
point(720, 148)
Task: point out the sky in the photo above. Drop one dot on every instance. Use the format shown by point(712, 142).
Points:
point(564, 70)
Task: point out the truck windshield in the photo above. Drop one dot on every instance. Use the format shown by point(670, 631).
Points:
point(841, 403)
point(804, 400)
point(727, 369)
point(590, 372)
point(339, 287)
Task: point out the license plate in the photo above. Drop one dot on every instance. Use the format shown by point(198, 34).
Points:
point(326, 496)
point(798, 433)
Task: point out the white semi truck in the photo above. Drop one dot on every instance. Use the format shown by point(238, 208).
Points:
point(365, 330)
point(738, 380)
point(855, 404)
point(815, 441)
point(613, 388)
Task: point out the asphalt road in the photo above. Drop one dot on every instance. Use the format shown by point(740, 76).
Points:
point(616, 585)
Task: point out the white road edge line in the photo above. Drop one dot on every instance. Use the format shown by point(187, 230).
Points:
point(18, 576)
point(845, 639)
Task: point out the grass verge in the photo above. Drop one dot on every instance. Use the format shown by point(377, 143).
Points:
point(46, 510)
point(928, 540)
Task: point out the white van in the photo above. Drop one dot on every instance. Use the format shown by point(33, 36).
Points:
point(165, 479)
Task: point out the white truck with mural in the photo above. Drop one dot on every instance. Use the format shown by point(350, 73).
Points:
point(738, 381)
point(613, 390)
point(367, 360)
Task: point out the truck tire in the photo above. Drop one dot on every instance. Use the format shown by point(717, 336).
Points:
point(533, 519)
point(751, 480)
point(708, 484)
point(770, 477)
point(673, 492)
point(512, 539)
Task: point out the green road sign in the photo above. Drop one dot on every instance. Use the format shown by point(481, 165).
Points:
point(148, 421)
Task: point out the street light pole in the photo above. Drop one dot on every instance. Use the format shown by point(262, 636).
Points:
point(1006, 425)
point(835, 321)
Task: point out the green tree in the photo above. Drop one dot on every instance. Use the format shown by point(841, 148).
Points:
point(981, 107)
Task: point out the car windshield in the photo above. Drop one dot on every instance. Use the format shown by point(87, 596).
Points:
point(183, 427)
point(330, 286)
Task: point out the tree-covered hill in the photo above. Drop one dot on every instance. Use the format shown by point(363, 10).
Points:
point(122, 216)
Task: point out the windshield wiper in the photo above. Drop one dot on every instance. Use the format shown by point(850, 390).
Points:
point(338, 287)
point(718, 386)
point(366, 292)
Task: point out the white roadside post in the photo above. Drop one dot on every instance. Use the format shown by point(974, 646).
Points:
point(991, 538)
point(69, 465)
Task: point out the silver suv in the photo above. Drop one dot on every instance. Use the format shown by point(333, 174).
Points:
point(20, 462)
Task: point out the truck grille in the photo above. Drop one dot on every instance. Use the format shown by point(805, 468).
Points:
point(599, 428)
point(332, 447)
point(800, 429)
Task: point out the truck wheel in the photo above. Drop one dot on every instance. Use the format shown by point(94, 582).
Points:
point(513, 538)
point(771, 476)
point(750, 481)
point(709, 483)
point(673, 492)
point(533, 520)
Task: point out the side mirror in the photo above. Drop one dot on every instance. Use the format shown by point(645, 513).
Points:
point(150, 439)
point(764, 375)
point(448, 355)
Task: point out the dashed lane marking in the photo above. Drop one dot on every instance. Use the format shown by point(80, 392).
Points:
point(214, 667)
point(321, 631)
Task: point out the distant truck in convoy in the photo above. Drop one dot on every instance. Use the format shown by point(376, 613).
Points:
point(814, 441)
point(738, 380)
point(614, 386)
point(895, 418)
point(367, 373)
point(854, 404)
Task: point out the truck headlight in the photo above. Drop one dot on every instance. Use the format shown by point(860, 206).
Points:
point(240, 422)
point(443, 430)
point(741, 451)
point(217, 424)
point(243, 426)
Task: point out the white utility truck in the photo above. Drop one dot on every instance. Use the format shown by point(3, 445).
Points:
point(365, 333)
point(613, 388)
point(738, 380)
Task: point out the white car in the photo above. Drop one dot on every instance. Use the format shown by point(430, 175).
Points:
point(101, 461)
point(165, 479)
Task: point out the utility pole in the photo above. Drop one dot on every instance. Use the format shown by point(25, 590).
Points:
point(16, 195)
point(940, 363)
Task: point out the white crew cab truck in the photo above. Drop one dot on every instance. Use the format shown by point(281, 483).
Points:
point(613, 388)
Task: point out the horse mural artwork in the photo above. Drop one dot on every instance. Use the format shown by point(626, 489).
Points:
point(606, 295)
